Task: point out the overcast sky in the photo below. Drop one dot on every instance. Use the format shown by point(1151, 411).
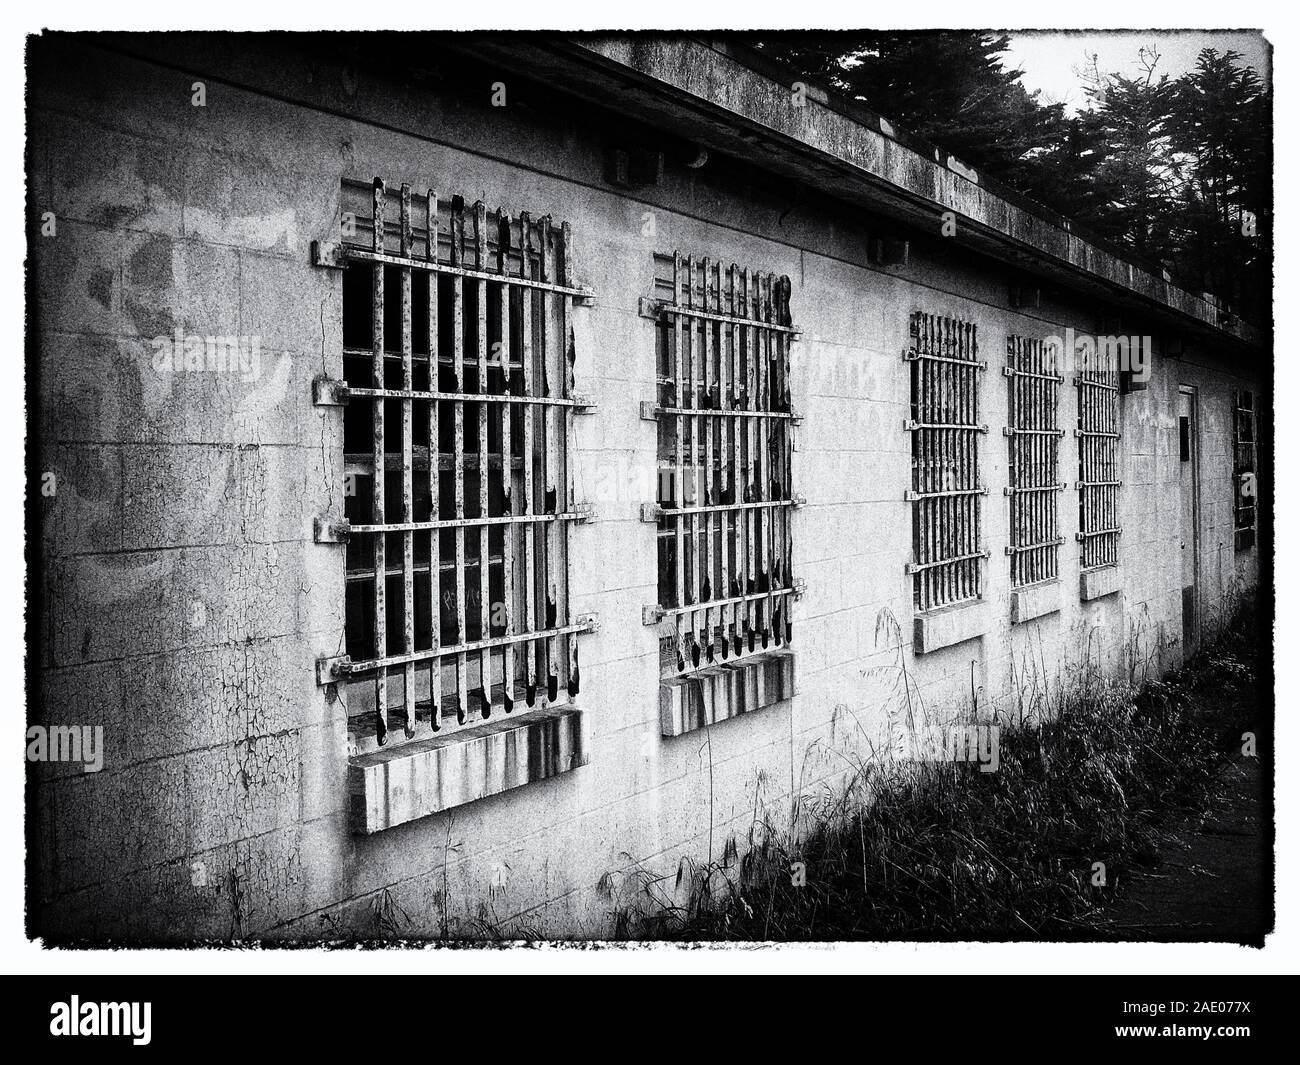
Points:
point(1048, 59)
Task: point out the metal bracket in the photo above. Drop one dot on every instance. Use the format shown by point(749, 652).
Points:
point(652, 615)
point(800, 587)
point(1010, 431)
point(649, 307)
point(587, 298)
point(590, 621)
point(330, 530)
point(910, 425)
point(327, 392)
point(799, 501)
point(332, 670)
point(651, 513)
point(1081, 537)
point(587, 510)
point(648, 411)
point(582, 404)
point(327, 254)
point(910, 495)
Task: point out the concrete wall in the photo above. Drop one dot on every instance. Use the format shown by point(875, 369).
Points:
point(184, 602)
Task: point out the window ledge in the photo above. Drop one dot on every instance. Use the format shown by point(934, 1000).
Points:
point(1096, 583)
point(723, 691)
point(394, 785)
point(1035, 601)
point(950, 625)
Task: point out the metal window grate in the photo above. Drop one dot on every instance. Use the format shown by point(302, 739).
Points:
point(725, 430)
point(1098, 436)
point(1244, 474)
point(458, 379)
point(1033, 460)
point(946, 490)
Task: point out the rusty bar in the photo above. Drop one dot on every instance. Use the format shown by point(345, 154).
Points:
point(568, 356)
point(690, 471)
point(1035, 387)
point(950, 516)
point(408, 473)
point(930, 511)
point(458, 455)
point(765, 450)
point(954, 517)
point(435, 489)
point(697, 314)
point(974, 444)
point(787, 442)
point(492, 399)
point(690, 481)
point(582, 624)
point(706, 423)
point(747, 350)
point(530, 581)
point(726, 450)
point(552, 356)
point(508, 538)
point(776, 443)
point(676, 356)
point(1013, 465)
point(377, 479)
point(484, 470)
point(739, 434)
point(920, 458)
point(787, 431)
point(356, 254)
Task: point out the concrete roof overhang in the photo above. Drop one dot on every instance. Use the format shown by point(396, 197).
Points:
point(731, 100)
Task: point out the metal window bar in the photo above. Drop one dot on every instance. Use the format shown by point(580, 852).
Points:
point(1033, 460)
point(1099, 482)
point(1244, 458)
point(464, 598)
point(725, 447)
point(946, 492)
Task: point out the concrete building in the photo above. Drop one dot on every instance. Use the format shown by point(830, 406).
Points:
point(813, 434)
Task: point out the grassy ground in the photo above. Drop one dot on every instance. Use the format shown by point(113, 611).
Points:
point(947, 852)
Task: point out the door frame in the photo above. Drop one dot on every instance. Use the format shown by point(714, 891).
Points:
point(1192, 393)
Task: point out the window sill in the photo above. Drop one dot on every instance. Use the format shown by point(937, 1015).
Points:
point(392, 786)
point(1035, 601)
point(723, 691)
point(949, 625)
point(1097, 583)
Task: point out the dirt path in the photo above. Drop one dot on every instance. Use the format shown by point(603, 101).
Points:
point(1212, 882)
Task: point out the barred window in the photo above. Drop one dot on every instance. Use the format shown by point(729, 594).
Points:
point(1033, 462)
point(1098, 436)
point(459, 392)
point(946, 488)
point(724, 449)
point(1244, 486)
